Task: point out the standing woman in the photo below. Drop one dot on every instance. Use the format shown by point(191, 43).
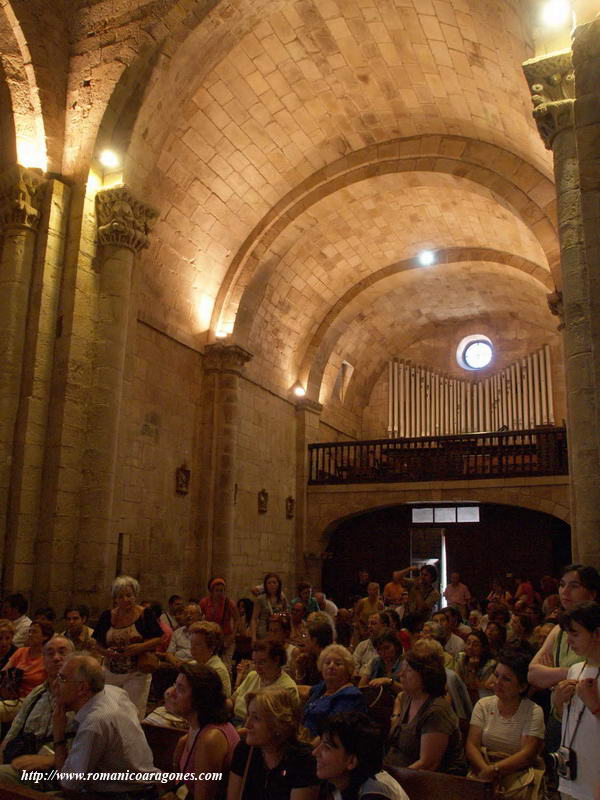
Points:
point(272, 764)
point(217, 607)
point(577, 702)
point(273, 601)
point(123, 634)
point(198, 697)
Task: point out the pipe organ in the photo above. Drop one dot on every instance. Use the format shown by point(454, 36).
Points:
point(424, 402)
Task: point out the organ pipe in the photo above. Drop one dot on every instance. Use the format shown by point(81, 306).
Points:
point(425, 402)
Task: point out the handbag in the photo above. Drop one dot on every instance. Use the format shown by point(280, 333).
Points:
point(526, 784)
point(23, 744)
point(10, 683)
point(147, 662)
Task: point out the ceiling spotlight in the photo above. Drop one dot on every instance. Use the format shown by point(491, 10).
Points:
point(426, 258)
point(109, 159)
point(299, 390)
point(556, 13)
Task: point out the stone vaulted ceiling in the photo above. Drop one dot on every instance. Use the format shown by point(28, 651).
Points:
point(302, 153)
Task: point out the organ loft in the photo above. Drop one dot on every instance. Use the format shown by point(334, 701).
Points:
point(289, 284)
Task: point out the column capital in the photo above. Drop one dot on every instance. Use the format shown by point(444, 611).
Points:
point(123, 221)
point(220, 357)
point(552, 84)
point(555, 304)
point(21, 195)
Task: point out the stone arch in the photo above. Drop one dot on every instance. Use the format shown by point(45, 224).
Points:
point(550, 496)
point(528, 192)
point(35, 62)
point(319, 349)
point(8, 140)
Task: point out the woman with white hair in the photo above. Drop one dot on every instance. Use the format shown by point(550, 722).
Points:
point(335, 693)
point(124, 634)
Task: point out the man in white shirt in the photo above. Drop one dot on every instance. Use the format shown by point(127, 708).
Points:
point(169, 617)
point(109, 737)
point(15, 608)
point(365, 651)
point(180, 646)
point(326, 605)
point(453, 644)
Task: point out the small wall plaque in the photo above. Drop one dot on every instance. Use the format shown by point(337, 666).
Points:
point(290, 507)
point(182, 479)
point(263, 501)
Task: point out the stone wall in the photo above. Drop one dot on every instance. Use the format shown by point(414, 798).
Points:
point(266, 445)
point(158, 435)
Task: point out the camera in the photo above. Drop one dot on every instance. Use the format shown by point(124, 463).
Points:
point(564, 761)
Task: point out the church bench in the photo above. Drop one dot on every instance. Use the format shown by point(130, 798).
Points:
point(421, 784)
point(162, 742)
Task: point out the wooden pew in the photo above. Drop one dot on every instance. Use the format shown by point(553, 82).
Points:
point(421, 784)
point(162, 742)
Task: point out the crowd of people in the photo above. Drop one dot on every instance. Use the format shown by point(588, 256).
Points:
point(306, 698)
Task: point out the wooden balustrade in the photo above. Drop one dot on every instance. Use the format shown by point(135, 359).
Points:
point(534, 452)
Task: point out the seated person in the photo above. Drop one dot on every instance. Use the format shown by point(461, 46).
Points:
point(425, 732)
point(207, 639)
point(453, 643)
point(109, 737)
point(456, 692)
point(385, 668)
point(269, 657)
point(305, 667)
point(34, 720)
point(506, 734)
point(365, 652)
point(349, 760)
point(197, 697)
point(335, 692)
point(76, 629)
point(180, 646)
point(7, 648)
point(30, 663)
point(279, 629)
point(272, 764)
point(475, 665)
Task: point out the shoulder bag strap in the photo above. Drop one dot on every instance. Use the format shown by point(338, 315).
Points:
point(245, 775)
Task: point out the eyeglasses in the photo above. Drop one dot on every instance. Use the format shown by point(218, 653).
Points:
point(63, 679)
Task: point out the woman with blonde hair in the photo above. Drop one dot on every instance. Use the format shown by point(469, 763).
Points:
point(336, 692)
point(272, 764)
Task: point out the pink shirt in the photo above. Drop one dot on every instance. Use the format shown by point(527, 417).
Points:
point(457, 595)
point(186, 762)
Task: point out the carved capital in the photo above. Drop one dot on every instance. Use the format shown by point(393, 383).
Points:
point(555, 304)
point(552, 84)
point(21, 195)
point(123, 221)
point(219, 357)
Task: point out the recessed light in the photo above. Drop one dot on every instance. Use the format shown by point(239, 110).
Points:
point(426, 258)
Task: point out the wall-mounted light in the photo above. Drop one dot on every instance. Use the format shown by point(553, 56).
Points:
point(299, 390)
point(109, 159)
point(426, 258)
point(221, 334)
point(556, 13)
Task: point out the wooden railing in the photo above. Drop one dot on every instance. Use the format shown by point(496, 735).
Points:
point(540, 451)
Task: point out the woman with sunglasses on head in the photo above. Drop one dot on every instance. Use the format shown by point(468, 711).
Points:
point(577, 702)
point(217, 607)
point(272, 764)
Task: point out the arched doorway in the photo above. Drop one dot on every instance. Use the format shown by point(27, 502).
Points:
point(506, 540)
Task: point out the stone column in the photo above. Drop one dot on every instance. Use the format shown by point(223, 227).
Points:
point(21, 195)
point(308, 413)
point(223, 367)
point(552, 83)
point(123, 227)
point(586, 61)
